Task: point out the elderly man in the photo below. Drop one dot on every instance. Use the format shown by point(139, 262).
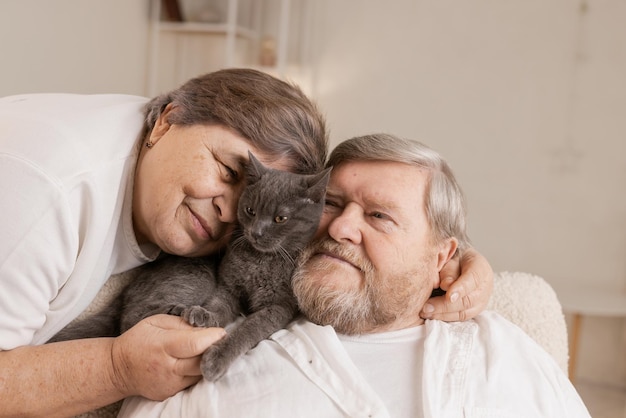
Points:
point(394, 215)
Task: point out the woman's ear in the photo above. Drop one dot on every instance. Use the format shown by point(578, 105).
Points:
point(446, 252)
point(162, 125)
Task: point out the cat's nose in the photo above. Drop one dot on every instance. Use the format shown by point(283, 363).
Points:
point(256, 231)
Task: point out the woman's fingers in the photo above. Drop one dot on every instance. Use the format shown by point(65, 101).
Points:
point(468, 282)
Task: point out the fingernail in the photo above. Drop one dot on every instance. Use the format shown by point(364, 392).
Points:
point(428, 308)
point(454, 297)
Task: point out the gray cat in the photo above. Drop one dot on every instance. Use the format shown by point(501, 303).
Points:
point(278, 215)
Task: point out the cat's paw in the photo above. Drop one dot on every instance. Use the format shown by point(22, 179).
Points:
point(215, 362)
point(199, 317)
point(176, 310)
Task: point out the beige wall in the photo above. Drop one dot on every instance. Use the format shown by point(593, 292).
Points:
point(527, 99)
point(76, 46)
point(537, 139)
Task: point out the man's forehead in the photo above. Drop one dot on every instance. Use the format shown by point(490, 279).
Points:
point(380, 171)
point(383, 182)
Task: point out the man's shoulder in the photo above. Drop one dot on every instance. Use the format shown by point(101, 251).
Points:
point(487, 325)
point(494, 339)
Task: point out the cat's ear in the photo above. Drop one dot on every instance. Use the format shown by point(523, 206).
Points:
point(255, 168)
point(317, 185)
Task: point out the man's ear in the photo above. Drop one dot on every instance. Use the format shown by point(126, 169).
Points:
point(446, 252)
point(162, 125)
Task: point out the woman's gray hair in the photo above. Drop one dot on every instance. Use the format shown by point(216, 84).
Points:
point(274, 116)
point(444, 201)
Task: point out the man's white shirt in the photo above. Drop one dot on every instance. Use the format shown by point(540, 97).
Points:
point(486, 367)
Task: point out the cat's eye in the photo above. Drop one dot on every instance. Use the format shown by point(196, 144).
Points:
point(280, 219)
point(250, 211)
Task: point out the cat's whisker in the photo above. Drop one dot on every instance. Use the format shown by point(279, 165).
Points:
point(232, 234)
point(237, 241)
point(286, 256)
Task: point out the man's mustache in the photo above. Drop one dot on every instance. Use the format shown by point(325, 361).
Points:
point(343, 252)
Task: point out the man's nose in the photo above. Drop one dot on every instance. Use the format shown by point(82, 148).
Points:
point(347, 226)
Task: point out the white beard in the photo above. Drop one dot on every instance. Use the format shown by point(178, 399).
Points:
point(376, 303)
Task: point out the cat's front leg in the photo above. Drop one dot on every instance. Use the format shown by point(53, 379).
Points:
point(253, 329)
point(216, 360)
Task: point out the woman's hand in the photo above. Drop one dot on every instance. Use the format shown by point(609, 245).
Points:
point(156, 358)
point(160, 356)
point(468, 282)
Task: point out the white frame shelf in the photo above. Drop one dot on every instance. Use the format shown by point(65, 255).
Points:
point(202, 27)
point(230, 29)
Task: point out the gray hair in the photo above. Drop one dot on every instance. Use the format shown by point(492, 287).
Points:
point(444, 201)
point(274, 116)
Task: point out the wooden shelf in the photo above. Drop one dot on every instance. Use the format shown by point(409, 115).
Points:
point(581, 301)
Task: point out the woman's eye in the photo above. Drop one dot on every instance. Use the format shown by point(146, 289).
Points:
point(232, 174)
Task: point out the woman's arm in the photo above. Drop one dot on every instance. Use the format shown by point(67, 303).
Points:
point(155, 359)
point(468, 282)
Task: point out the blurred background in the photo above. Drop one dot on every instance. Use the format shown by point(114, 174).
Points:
point(525, 98)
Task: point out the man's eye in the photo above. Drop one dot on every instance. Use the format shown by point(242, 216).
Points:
point(379, 215)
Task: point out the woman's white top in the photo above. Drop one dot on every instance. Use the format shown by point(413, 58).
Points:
point(66, 171)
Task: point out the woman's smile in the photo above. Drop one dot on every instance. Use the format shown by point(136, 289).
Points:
point(200, 226)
